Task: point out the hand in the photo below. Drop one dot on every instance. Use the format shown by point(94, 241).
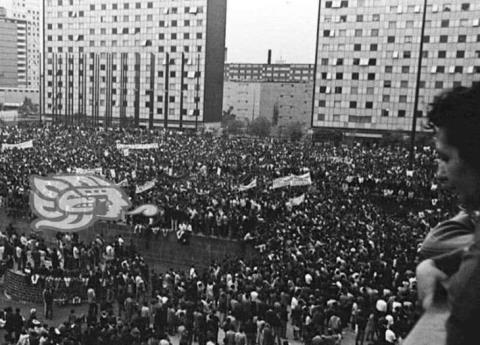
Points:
point(428, 277)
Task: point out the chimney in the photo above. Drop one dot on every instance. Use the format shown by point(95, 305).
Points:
point(269, 60)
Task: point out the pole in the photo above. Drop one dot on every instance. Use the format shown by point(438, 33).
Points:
point(197, 91)
point(417, 89)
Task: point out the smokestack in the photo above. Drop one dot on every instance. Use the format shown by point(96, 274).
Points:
point(269, 60)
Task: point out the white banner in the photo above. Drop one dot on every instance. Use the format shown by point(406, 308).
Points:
point(94, 171)
point(251, 185)
point(25, 145)
point(282, 182)
point(146, 186)
point(301, 180)
point(137, 146)
point(296, 201)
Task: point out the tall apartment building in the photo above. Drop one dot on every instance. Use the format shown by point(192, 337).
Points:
point(368, 55)
point(251, 72)
point(28, 16)
point(8, 51)
point(153, 63)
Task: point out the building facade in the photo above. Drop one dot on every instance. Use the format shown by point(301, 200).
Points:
point(269, 72)
point(368, 56)
point(153, 63)
point(281, 103)
point(8, 52)
point(28, 16)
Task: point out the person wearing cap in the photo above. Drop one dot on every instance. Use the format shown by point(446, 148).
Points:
point(455, 117)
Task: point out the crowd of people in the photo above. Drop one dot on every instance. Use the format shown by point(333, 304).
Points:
point(343, 256)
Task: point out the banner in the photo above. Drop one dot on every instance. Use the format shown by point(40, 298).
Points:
point(93, 171)
point(70, 203)
point(301, 180)
point(296, 201)
point(251, 185)
point(282, 182)
point(146, 186)
point(123, 183)
point(137, 146)
point(21, 146)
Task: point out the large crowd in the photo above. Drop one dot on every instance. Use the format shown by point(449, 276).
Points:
point(344, 256)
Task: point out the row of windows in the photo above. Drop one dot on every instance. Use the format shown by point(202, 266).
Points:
point(127, 6)
point(447, 7)
point(462, 38)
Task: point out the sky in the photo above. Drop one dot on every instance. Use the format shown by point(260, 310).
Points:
point(285, 26)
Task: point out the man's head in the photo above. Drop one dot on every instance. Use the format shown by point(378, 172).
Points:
point(455, 117)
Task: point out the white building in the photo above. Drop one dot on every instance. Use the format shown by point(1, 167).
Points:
point(367, 58)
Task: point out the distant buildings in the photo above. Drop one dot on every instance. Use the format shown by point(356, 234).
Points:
point(280, 92)
point(367, 58)
point(151, 63)
point(26, 14)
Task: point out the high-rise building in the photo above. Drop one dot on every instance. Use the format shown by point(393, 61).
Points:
point(150, 63)
point(8, 51)
point(27, 16)
point(368, 56)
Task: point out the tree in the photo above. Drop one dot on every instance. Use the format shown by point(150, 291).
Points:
point(294, 131)
point(27, 107)
point(260, 126)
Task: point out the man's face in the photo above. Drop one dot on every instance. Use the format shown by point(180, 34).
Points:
point(454, 174)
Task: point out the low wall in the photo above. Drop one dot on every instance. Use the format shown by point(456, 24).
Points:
point(18, 287)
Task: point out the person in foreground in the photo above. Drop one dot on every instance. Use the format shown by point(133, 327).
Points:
point(455, 118)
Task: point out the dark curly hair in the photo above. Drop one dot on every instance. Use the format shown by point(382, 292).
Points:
point(457, 112)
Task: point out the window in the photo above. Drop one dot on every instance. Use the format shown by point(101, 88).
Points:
point(426, 39)
point(439, 84)
point(444, 23)
point(354, 90)
point(373, 47)
point(385, 112)
point(126, 6)
point(353, 104)
point(338, 89)
point(328, 4)
point(321, 103)
point(357, 47)
point(355, 76)
point(387, 83)
point(372, 62)
point(173, 36)
point(392, 24)
point(374, 33)
point(92, 7)
point(376, 17)
point(150, 5)
point(442, 54)
point(371, 76)
point(369, 105)
point(359, 17)
point(465, 6)
point(401, 113)
point(408, 39)
point(386, 98)
point(402, 99)
point(358, 32)
point(344, 3)
point(443, 39)
point(339, 61)
point(460, 54)
point(339, 76)
point(458, 69)
point(356, 61)
point(388, 69)
point(391, 39)
point(407, 54)
point(405, 69)
point(462, 38)
point(324, 62)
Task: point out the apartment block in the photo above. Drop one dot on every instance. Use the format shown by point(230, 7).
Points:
point(153, 63)
point(8, 53)
point(251, 72)
point(27, 14)
point(281, 103)
point(368, 56)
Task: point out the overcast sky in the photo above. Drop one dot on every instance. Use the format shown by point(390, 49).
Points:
point(285, 26)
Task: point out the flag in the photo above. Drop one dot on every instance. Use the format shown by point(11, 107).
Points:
point(146, 186)
point(251, 185)
point(112, 173)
